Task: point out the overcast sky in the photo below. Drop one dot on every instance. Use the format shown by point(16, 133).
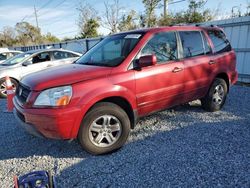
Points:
point(60, 16)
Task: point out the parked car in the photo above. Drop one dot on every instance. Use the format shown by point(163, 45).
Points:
point(100, 97)
point(6, 54)
point(33, 61)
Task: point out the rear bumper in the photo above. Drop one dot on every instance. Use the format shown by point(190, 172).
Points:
point(49, 123)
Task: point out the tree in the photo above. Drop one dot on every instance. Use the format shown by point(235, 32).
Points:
point(142, 21)
point(88, 21)
point(89, 29)
point(248, 10)
point(128, 22)
point(50, 38)
point(112, 16)
point(7, 37)
point(28, 34)
point(165, 20)
point(194, 14)
point(150, 6)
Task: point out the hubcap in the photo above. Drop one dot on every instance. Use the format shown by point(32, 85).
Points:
point(218, 94)
point(3, 88)
point(105, 131)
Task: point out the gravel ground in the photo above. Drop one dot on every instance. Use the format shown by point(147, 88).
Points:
point(181, 147)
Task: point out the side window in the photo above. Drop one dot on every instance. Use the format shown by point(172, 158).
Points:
point(63, 55)
point(221, 44)
point(59, 55)
point(192, 43)
point(3, 56)
point(207, 46)
point(71, 55)
point(163, 46)
point(41, 57)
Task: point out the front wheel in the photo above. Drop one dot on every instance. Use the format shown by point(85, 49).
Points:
point(3, 87)
point(216, 96)
point(104, 129)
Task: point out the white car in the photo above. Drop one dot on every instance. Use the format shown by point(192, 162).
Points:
point(33, 61)
point(5, 54)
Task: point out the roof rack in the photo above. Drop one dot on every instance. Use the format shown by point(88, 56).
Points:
point(180, 24)
point(211, 25)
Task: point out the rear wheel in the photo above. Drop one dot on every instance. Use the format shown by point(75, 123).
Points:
point(216, 96)
point(104, 129)
point(3, 88)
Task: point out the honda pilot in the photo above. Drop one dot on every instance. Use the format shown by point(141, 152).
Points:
point(99, 98)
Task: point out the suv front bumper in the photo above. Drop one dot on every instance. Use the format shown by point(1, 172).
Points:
point(56, 123)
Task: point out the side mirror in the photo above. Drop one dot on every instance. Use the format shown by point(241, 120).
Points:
point(147, 60)
point(26, 63)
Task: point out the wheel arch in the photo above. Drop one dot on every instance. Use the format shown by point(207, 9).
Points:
point(225, 77)
point(122, 103)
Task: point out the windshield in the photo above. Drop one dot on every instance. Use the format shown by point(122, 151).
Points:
point(16, 59)
point(111, 51)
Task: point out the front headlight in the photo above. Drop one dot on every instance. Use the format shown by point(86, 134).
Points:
point(58, 96)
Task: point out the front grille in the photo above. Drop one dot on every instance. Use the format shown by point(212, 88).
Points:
point(22, 93)
point(20, 115)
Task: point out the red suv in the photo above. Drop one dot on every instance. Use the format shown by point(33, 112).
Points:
point(99, 98)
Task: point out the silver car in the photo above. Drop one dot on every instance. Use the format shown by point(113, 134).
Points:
point(33, 61)
point(6, 54)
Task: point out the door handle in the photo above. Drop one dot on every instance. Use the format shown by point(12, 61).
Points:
point(177, 69)
point(211, 62)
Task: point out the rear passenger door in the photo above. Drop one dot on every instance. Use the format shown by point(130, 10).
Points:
point(160, 86)
point(196, 54)
point(223, 58)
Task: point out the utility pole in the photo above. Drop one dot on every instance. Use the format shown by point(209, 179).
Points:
point(165, 11)
point(36, 17)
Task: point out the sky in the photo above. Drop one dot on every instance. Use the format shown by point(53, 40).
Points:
point(59, 17)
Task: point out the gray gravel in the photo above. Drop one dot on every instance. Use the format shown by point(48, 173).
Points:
point(181, 147)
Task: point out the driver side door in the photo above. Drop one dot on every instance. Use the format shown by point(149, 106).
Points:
point(161, 85)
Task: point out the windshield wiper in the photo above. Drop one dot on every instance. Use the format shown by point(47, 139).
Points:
point(96, 64)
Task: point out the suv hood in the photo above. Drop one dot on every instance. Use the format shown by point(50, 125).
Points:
point(63, 75)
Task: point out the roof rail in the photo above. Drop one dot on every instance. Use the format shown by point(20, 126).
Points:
point(200, 24)
point(180, 24)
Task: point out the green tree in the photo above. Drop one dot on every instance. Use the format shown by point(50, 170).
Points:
point(88, 21)
point(28, 34)
point(150, 6)
point(194, 14)
point(165, 20)
point(50, 38)
point(89, 29)
point(128, 22)
point(7, 37)
point(142, 21)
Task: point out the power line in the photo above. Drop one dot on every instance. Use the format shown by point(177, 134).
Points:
point(42, 7)
point(53, 7)
point(176, 2)
point(46, 4)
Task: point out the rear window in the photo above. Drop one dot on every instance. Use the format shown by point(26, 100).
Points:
point(192, 43)
point(221, 44)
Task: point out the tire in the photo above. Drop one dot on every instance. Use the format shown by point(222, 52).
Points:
point(104, 129)
point(216, 96)
point(3, 92)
